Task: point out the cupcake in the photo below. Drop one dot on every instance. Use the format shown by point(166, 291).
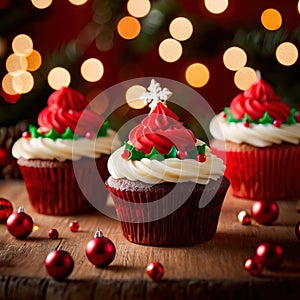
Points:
point(167, 186)
point(64, 160)
point(261, 135)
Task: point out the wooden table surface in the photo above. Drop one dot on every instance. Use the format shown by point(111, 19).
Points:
point(213, 270)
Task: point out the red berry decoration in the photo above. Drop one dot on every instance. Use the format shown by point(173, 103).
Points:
point(126, 154)
point(26, 135)
point(155, 270)
point(265, 213)
point(270, 254)
point(100, 251)
point(59, 264)
point(19, 224)
point(223, 114)
point(53, 234)
point(201, 157)
point(297, 230)
point(90, 135)
point(246, 124)
point(74, 226)
point(244, 218)
point(181, 154)
point(277, 123)
point(253, 266)
point(6, 209)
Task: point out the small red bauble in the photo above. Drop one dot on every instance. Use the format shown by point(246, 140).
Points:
point(253, 266)
point(297, 230)
point(223, 114)
point(6, 209)
point(126, 154)
point(265, 213)
point(26, 135)
point(53, 234)
point(270, 254)
point(19, 224)
point(90, 135)
point(201, 157)
point(100, 251)
point(277, 123)
point(244, 218)
point(59, 264)
point(155, 270)
point(246, 124)
point(74, 226)
point(181, 154)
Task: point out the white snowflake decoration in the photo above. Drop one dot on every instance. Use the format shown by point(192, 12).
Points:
point(155, 95)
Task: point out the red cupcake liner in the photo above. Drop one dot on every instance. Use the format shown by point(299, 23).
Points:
point(265, 174)
point(53, 188)
point(186, 225)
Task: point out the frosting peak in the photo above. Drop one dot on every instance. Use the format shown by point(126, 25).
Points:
point(163, 130)
point(258, 100)
point(64, 109)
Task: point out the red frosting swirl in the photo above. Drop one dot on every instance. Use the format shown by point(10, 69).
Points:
point(257, 100)
point(64, 109)
point(162, 130)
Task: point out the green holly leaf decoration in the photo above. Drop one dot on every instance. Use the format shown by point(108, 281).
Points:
point(69, 134)
point(52, 134)
point(103, 129)
point(229, 116)
point(201, 149)
point(34, 133)
point(172, 153)
point(291, 119)
point(266, 119)
point(154, 154)
point(247, 119)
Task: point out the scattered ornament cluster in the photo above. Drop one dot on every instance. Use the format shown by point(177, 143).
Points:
point(100, 250)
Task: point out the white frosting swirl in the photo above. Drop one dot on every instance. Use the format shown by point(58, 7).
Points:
point(258, 135)
point(167, 170)
point(63, 149)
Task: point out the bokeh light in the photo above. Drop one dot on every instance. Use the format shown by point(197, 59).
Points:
point(78, 2)
point(287, 53)
point(244, 78)
point(132, 96)
point(15, 63)
point(22, 45)
point(216, 6)
point(129, 28)
point(138, 8)
point(271, 19)
point(299, 6)
point(7, 85)
point(170, 50)
point(22, 82)
point(197, 75)
point(234, 58)
point(92, 69)
point(181, 28)
point(59, 77)
point(34, 60)
point(41, 4)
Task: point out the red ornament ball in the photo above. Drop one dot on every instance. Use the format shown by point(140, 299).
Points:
point(244, 218)
point(270, 254)
point(126, 154)
point(277, 123)
point(19, 224)
point(265, 213)
point(246, 124)
point(59, 264)
point(100, 251)
point(201, 157)
point(6, 209)
point(74, 226)
point(26, 135)
point(53, 234)
point(253, 266)
point(297, 230)
point(155, 270)
point(181, 154)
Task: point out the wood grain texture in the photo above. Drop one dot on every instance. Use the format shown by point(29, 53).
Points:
point(213, 270)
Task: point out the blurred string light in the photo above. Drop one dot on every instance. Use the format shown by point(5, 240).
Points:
point(129, 27)
point(34, 60)
point(271, 19)
point(244, 78)
point(78, 2)
point(7, 84)
point(298, 7)
point(59, 77)
point(41, 4)
point(92, 70)
point(181, 28)
point(234, 58)
point(287, 54)
point(22, 45)
point(133, 95)
point(197, 75)
point(170, 50)
point(216, 6)
point(138, 8)
point(22, 82)
point(16, 63)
